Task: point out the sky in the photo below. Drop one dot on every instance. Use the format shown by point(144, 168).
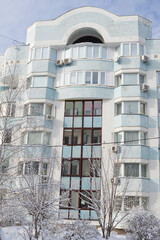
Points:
point(17, 15)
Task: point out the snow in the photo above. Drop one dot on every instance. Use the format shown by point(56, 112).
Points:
point(14, 233)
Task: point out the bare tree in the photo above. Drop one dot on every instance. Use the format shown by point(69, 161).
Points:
point(106, 193)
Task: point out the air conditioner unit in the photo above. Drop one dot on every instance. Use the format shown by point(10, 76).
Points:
point(59, 62)
point(49, 117)
point(116, 149)
point(67, 60)
point(145, 87)
point(144, 58)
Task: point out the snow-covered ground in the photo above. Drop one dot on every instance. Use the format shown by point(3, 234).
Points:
point(14, 233)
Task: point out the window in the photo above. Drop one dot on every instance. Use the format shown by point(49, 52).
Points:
point(31, 168)
point(44, 168)
point(45, 53)
point(88, 78)
point(87, 136)
point(131, 138)
point(67, 137)
point(36, 109)
point(69, 109)
point(20, 168)
point(141, 50)
point(143, 170)
point(78, 109)
point(141, 79)
point(97, 136)
point(86, 168)
point(130, 78)
point(88, 108)
point(130, 202)
point(4, 165)
point(130, 107)
point(66, 167)
point(37, 53)
point(142, 108)
point(7, 136)
point(131, 169)
point(75, 167)
point(76, 136)
point(118, 108)
point(85, 197)
point(97, 108)
point(95, 78)
point(35, 138)
point(118, 80)
point(134, 49)
point(125, 49)
point(29, 83)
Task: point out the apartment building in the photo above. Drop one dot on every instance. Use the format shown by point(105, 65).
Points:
point(92, 83)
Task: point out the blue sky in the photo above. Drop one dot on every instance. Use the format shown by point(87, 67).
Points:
point(17, 15)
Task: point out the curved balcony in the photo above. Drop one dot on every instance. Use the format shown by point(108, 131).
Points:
point(130, 91)
point(135, 152)
point(128, 120)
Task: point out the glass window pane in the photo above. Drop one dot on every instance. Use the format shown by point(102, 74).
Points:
point(89, 52)
point(97, 136)
point(88, 108)
point(86, 136)
point(95, 78)
point(24, 138)
point(29, 83)
point(104, 52)
point(79, 77)
point(66, 79)
point(143, 170)
point(97, 108)
point(118, 80)
point(125, 49)
point(36, 109)
point(86, 168)
point(119, 108)
point(46, 138)
point(64, 198)
point(142, 108)
point(85, 198)
point(141, 49)
point(67, 137)
point(73, 78)
point(131, 138)
point(141, 79)
point(77, 136)
point(37, 53)
point(81, 52)
point(34, 137)
point(78, 109)
point(44, 168)
point(130, 78)
point(45, 53)
point(88, 78)
point(131, 107)
point(134, 49)
point(66, 167)
point(95, 51)
point(74, 199)
point(130, 202)
point(48, 109)
point(53, 54)
point(75, 52)
point(20, 168)
point(32, 54)
point(102, 78)
point(96, 168)
point(75, 167)
point(69, 109)
point(143, 138)
point(131, 169)
point(119, 137)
